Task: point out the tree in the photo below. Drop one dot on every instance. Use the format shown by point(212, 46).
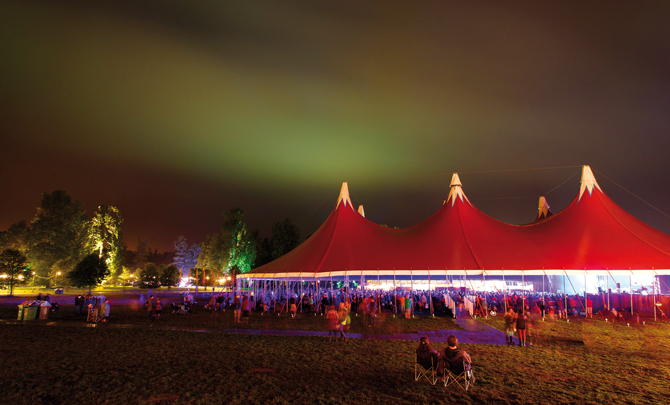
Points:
point(185, 258)
point(106, 238)
point(214, 255)
point(285, 237)
point(16, 237)
point(169, 275)
point(13, 263)
point(90, 271)
point(142, 254)
point(263, 249)
point(149, 276)
point(58, 237)
point(242, 248)
point(126, 276)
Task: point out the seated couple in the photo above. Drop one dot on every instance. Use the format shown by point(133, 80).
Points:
point(458, 360)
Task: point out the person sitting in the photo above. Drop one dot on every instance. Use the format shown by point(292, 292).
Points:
point(458, 360)
point(426, 356)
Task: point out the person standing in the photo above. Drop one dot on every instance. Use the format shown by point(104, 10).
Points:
point(521, 327)
point(236, 307)
point(333, 325)
point(372, 309)
point(158, 308)
point(246, 307)
point(365, 308)
point(78, 302)
point(212, 303)
point(150, 306)
point(344, 320)
point(509, 325)
point(408, 306)
point(542, 307)
point(106, 307)
point(294, 308)
point(324, 304)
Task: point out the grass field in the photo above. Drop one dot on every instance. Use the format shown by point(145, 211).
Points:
point(589, 362)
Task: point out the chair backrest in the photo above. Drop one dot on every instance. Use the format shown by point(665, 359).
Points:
point(456, 365)
point(425, 361)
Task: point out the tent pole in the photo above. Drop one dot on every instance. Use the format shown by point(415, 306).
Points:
point(504, 289)
point(630, 282)
point(523, 290)
point(565, 295)
point(608, 292)
point(586, 304)
point(465, 280)
point(411, 277)
point(430, 296)
point(654, 303)
point(377, 295)
point(395, 297)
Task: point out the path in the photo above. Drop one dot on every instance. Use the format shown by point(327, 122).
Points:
point(473, 332)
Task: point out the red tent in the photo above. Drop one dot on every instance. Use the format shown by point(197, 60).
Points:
point(592, 235)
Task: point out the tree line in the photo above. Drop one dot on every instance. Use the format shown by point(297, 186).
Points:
point(63, 245)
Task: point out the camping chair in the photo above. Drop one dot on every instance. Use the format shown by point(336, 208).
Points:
point(92, 314)
point(425, 368)
point(458, 372)
point(95, 314)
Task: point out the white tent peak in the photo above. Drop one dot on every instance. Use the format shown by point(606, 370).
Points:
point(456, 190)
point(455, 180)
point(543, 208)
point(344, 196)
point(361, 210)
point(588, 182)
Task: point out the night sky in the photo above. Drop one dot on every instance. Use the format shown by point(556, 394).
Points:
point(176, 112)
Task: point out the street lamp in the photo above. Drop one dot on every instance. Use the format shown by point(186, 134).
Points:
point(33, 281)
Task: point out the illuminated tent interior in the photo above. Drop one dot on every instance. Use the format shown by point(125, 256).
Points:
point(591, 236)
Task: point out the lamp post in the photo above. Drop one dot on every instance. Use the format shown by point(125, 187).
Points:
point(33, 281)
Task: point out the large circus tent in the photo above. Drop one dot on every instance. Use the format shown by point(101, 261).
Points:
point(592, 236)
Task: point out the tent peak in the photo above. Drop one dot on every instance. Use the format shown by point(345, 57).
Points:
point(588, 182)
point(543, 210)
point(455, 180)
point(344, 196)
point(456, 190)
point(361, 210)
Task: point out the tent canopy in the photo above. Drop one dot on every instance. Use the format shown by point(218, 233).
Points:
point(593, 235)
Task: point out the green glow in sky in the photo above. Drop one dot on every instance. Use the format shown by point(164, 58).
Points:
point(304, 95)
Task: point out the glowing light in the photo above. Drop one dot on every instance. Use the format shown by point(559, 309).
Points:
point(184, 282)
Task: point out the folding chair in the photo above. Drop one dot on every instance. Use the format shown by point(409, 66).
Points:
point(426, 368)
point(95, 315)
point(100, 316)
point(456, 371)
point(92, 314)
